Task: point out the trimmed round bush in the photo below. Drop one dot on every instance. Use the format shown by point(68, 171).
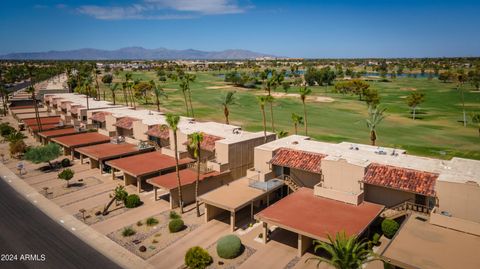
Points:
point(174, 215)
point(65, 162)
point(176, 225)
point(229, 247)
point(132, 201)
point(197, 258)
point(389, 227)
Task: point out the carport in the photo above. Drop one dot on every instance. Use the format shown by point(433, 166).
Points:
point(100, 153)
point(45, 136)
point(314, 218)
point(71, 142)
point(238, 195)
point(168, 182)
point(142, 166)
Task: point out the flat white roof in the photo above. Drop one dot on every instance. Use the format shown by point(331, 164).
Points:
point(456, 170)
point(80, 99)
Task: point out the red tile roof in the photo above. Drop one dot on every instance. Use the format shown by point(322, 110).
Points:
point(187, 177)
point(79, 140)
point(317, 217)
point(158, 131)
point(401, 178)
point(45, 127)
point(208, 142)
point(99, 116)
point(298, 159)
point(146, 163)
point(125, 123)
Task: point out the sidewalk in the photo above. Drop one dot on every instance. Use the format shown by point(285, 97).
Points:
point(101, 243)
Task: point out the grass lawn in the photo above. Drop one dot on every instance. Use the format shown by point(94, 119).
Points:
point(437, 131)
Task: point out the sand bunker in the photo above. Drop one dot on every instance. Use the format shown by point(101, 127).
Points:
point(219, 87)
point(408, 89)
point(321, 99)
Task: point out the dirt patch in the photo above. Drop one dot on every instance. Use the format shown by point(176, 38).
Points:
point(92, 216)
point(321, 99)
point(408, 89)
point(74, 185)
point(220, 87)
point(156, 237)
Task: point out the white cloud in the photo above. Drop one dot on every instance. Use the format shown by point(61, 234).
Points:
point(163, 9)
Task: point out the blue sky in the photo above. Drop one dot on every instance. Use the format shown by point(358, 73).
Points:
point(302, 28)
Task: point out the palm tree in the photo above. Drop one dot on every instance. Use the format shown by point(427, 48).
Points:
point(119, 194)
point(282, 134)
point(158, 92)
point(262, 100)
point(475, 117)
point(375, 118)
point(172, 121)
point(96, 72)
point(128, 85)
point(297, 120)
point(460, 78)
point(113, 89)
point(195, 141)
point(184, 87)
point(345, 252)
point(227, 100)
point(270, 99)
point(86, 88)
point(304, 92)
point(4, 94)
point(124, 89)
point(31, 90)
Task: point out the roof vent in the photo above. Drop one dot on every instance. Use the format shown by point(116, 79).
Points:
point(353, 147)
point(380, 151)
point(295, 142)
point(236, 130)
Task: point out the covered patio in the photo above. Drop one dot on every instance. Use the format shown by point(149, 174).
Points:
point(237, 195)
point(168, 182)
point(314, 217)
point(45, 136)
point(100, 153)
point(139, 167)
point(71, 142)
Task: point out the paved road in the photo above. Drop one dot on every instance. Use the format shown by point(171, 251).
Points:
point(24, 229)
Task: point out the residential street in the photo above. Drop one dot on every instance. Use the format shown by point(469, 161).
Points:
point(27, 230)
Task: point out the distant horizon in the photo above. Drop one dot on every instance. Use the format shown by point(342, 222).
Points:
point(228, 49)
point(300, 29)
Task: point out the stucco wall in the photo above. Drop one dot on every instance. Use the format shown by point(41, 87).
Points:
point(462, 200)
point(139, 130)
point(385, 196)
point(109, 122)
point(342, 176)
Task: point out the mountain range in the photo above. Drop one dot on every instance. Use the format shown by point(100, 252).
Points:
point(135, 53)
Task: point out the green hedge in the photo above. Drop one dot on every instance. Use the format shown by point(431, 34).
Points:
point(389, 227)
point(133, 201)
point(197, 258)
point(176, 225)
point(229, 247)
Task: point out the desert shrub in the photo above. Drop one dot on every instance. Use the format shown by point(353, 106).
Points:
point(67, 175)
point(132, 201)
point(389, 227)
point(17, 147)
point(229, 247)
point(376, 239)
point(176, 225)
point(174, 215)
point(128, 231)
point(65, 162)
point(197, 258)
point(139, 223)
point(151, 221)
point(6, 129)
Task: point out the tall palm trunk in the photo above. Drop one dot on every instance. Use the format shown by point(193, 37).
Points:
point(158, 103)
point(464, 114)
point(125, 96)
point(198, 179)
point(180, 199)
point(305, 117)
point(264, 125)
point(87, 93)
point(226, 113)
point(130, 92)
point(37, 116)
point(271, 116)
point(97, 87)
point(186, 103)
point(190, 101)
point(296, 126)
point(373, 137)
point(113, 97)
